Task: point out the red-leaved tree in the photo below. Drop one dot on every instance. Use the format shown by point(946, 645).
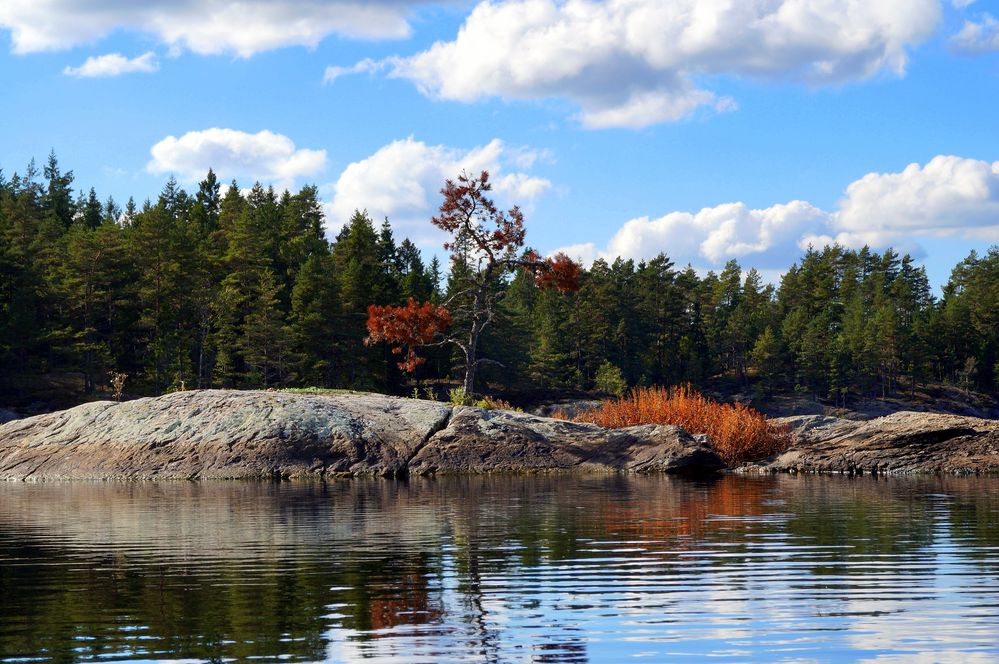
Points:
point(486, 245)
point(416, 324)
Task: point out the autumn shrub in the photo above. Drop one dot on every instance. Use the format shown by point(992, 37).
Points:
point(738, 433)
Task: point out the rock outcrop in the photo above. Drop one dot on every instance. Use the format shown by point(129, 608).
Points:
point(220, 434)
point(477, 441)
point(900, 443)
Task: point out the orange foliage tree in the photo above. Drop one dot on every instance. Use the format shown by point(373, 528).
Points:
point(416, 324)
point(488, 244)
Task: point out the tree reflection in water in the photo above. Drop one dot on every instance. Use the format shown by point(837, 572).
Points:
point(544, 568)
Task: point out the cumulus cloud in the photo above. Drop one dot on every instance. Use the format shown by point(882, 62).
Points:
point(633, 63)
point(949, 196)
point(715, 234)
point(204, 26)
point(401, 181)
point(265, 156)
point(978, 36)
point(113, 64)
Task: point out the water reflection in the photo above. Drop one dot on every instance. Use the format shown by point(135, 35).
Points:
point(544, 569)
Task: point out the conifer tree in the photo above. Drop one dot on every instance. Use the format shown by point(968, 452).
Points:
point(314, 320)
point(265, 340)
point(57, 201)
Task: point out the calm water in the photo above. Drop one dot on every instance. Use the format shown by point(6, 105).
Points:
point(503, 569)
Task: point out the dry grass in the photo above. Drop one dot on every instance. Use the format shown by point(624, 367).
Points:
point(738, 433)
point(492, 403)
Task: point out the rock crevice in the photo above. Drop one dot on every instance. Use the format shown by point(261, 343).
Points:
point(222, 434)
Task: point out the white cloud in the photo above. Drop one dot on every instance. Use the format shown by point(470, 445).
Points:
point(978, 37)
point(204, 26)
point(366, 66)
point(633, 63)
point(265, 156)
point(949, 196)
point(402, 181)
point(946, 197)
point(715, 234)
point(113, 64)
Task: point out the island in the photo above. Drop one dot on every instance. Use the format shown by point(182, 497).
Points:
point(233, 434)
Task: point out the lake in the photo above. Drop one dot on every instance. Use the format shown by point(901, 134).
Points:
point(496, 569)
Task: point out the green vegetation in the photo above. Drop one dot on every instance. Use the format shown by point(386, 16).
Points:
point(318, 391)
point(226, 289)
point(609, 379)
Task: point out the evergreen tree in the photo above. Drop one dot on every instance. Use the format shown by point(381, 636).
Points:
point(57, 202)
point(610, 380)
point(767, 358)
point(237, 289)
point(265, 341)
point(314, 320)
point(92, 212)
point(207, 206)
point(357, 257)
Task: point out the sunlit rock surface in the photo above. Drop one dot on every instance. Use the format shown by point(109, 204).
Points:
point(904, 442)
point(220, 434)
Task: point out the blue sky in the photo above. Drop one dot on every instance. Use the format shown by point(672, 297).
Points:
point(709, 129)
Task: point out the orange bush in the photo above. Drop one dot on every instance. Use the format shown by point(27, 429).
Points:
point(738, 433)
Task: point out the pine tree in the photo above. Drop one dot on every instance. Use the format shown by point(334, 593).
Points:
point(57, 202)
point(610, 380)
point(314, 320)
point(360, 273)
point(658, 309)
point(415, 281)
point(265, 340)
point(766, 357)
point(95, 283)
point(162, 253)
point(207, 206)
point(92, 212)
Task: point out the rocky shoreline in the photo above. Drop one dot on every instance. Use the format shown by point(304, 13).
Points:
point(898, 444)
point(224, 434)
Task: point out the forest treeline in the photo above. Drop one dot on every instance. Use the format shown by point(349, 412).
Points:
point(223, 288)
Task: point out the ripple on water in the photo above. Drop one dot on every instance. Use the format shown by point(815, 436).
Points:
point(540, 569)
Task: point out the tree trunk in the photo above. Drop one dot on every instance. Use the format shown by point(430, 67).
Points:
point(471, 351)
point(469, 385)
point(202, 337)
point(470, 362)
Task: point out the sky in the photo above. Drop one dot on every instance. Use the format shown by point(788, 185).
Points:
point(706, 129)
